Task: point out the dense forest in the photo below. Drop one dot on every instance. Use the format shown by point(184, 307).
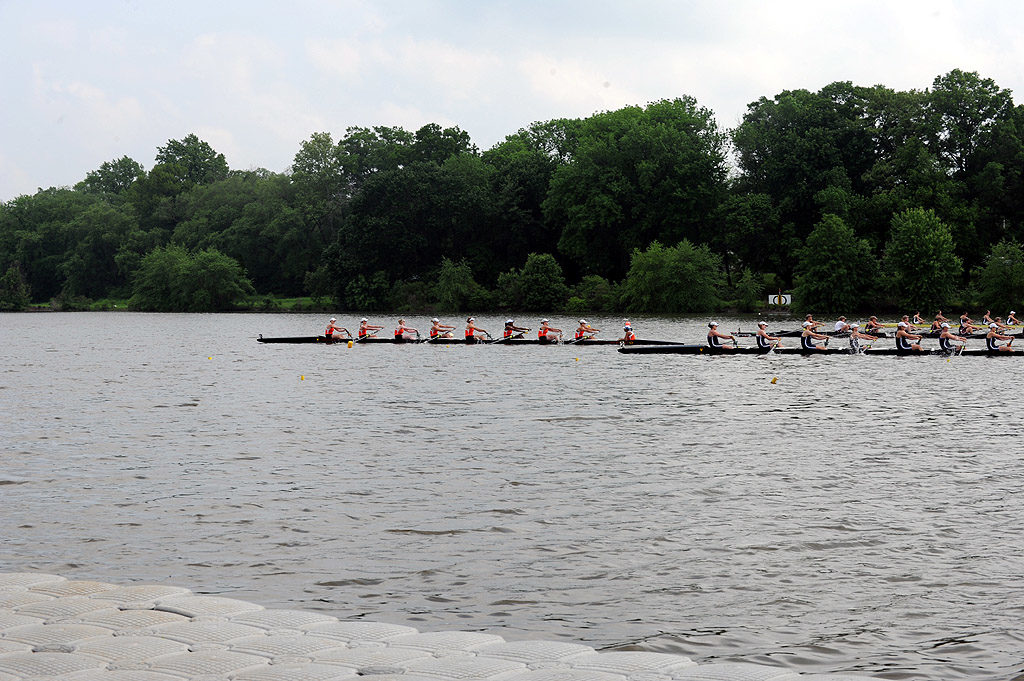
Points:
point(850, 197)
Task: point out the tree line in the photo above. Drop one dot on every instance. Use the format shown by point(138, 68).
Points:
point(851, 197)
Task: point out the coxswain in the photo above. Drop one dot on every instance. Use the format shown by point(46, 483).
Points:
point(473, 332)
point(841, 325)
point(367, 329)
point(856, 336)
point(873, 325)
point(331, 328)
point(905, 340)
point(547, 333)
point(993, 335)
point(405, 333)
point(627, 333)
point(715, 338)
point(808, 336)
point(584, 331)
point(946, 338)
point(764, 341)
point(513, 331)
point(439, 330)
point(1010, 319)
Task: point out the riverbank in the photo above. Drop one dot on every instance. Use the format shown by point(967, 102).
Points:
point(97, 631)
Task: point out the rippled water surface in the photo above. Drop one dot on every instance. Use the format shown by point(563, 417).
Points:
point(859, 514)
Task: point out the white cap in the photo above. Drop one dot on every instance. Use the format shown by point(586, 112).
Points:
point(1012, 312)
point(710, 324)
point(435, 319)
point(583, 321)
point(510, 321)
point(762, 323)
point(993, 325)
point(855, 325)
point(363, 319)
point(471, 319)
point(334, 319)
point(901, 324)
point(544, 321)
point(945, 325)
point(807, 324)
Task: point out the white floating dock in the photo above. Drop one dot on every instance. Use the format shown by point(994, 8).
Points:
point(55, 629)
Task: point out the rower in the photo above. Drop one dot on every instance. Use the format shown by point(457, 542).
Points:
point(627, 333)
point(946, 339)
point(764, 341)
point(939, 317)
point(715, 338)
point(993, 335)
point(547, 333)
point(367, 329)
point(585, 331)
point(331, 328)
point(918, 319)
point(966, 325)
point(999, 323)
point(808, 336)
point(405, 333)
point(873, 325)
point(841, 325)
point(1010, 319)
point(987, 317)
point(905, 322)
point(513, 331)
point(856, 336)
point(474, 333)
point(906, 341)
point(439, 330)
point(809, 322)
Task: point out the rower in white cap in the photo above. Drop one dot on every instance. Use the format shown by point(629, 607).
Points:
point(513, 331)
point(856, 335)
point(368, 329)
point(473, 332)
point(809, 335)
point(439, 330)
point(715, 338)
point(993, 335)
point(946, 338)
point(1010, 319)
point(331, 328)
point(764, 341)
point(547, 333)
point(585, 331)
point(906, 341)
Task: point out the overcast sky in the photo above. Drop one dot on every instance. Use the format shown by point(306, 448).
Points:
point(88, 81)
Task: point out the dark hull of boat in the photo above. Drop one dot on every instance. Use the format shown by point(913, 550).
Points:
point(696, 349)
point(454, 341)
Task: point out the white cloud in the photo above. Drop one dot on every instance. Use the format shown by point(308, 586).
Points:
point(573, 85)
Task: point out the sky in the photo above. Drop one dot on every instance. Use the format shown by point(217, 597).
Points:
point(84, 82)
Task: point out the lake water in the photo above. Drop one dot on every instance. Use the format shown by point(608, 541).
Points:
point(859, 513)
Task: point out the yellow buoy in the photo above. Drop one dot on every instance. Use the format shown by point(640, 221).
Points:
point(350, 343)
point(775, 380)
point(302, 378)
point(577, 359)
point(209, 358)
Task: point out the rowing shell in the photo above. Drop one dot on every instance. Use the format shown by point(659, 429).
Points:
point(697, 349)
point(456, 341)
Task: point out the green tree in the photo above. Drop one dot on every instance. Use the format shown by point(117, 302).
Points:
point(637, 175)
point(920, 261)
point(681, 278)
point(91, 266)
point(1000, 280)
point(538, 286)
point(112, 178)
point(455, 289)
point(835, 270)
point(14, 291)
point(171, 279)
point(196, 161)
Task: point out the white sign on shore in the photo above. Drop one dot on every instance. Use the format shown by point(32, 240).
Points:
point(780, 299)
